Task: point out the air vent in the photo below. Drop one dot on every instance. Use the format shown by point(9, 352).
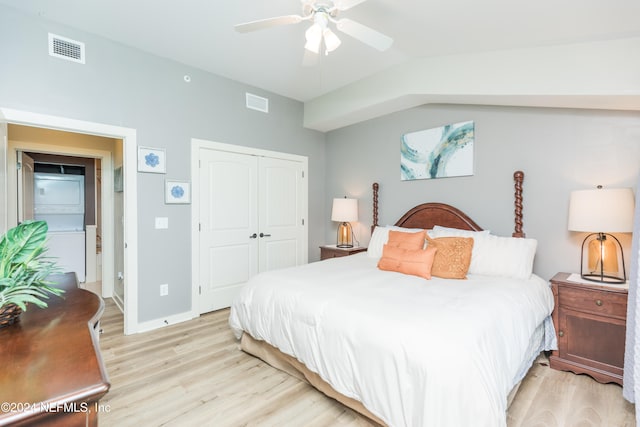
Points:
point(64, 48)
point(258, 103)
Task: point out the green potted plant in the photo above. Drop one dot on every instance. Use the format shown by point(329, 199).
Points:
point(24, 269)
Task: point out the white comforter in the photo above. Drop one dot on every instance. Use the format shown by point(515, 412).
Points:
point(414, 352)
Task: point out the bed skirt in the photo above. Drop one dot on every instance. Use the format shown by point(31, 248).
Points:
point(294, 367)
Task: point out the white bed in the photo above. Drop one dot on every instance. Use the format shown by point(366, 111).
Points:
point(415, 353)
point(400, 349)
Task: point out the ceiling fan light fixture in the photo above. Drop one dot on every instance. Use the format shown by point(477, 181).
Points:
point(313, 35)
point(321, 19)
point(331, 41)
point(323, 13)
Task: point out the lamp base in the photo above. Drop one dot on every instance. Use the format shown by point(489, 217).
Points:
point(610, 280)
point(603, 256)
point(345, 236)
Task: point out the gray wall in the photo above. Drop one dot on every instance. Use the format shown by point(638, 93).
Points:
point(559, 150)
point(125, 87)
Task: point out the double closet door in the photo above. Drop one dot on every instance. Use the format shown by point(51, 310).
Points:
point(252, 213)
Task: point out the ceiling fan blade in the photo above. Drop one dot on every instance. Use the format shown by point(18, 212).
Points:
point(347, 4)
point(365, 34)
point(267, 23)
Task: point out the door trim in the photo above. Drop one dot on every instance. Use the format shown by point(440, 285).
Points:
point(128, 136)
point(196, 145)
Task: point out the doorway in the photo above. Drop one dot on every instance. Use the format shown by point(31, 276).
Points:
point(128, 220)
point(61, 190)
point(42, 156)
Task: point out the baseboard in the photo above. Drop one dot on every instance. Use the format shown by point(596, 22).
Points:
point(161, 323)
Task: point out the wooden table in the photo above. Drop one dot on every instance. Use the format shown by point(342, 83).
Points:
point(51, 370)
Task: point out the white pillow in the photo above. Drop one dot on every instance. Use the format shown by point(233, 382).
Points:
point(504, 256)
point(494, 255)
point(439, 231)
point(478, 241)
point(380, 236)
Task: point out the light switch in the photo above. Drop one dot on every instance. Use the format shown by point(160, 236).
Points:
point(162, 222)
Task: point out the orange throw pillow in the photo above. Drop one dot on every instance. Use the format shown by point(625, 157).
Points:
point(403, 240)
point(453, 257)
point(416, 262)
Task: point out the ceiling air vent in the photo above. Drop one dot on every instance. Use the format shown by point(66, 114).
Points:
point(258, 103)
point(64, 48)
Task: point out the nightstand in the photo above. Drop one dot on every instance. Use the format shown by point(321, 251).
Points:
point(590, 322)
point(331, 251)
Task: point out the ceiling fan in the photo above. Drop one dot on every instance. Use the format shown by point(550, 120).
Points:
point(322, 13)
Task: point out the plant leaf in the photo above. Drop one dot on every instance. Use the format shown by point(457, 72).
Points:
point(23, 267)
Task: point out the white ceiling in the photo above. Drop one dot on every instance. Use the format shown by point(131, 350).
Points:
point(200, 33)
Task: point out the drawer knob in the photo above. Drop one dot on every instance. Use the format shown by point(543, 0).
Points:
point(599, 302)
point(560, 333)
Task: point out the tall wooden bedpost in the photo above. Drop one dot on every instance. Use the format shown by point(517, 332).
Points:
point(375, 206)
point(518, 177)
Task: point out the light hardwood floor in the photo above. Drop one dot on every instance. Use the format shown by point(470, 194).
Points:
point(193, 374)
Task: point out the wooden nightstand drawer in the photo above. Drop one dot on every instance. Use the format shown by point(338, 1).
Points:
point(594, 301)
point(326, 254)
point(331, 251)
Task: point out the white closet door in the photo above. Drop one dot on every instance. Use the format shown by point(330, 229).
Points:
point(228, 220)
point(282, 242)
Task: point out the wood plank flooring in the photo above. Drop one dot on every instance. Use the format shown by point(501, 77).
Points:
point(194, 374)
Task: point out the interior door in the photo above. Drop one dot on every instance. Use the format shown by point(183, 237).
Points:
point(281, 214)
point(228, 237)
point(26, 169)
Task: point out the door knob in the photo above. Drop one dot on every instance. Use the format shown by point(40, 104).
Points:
point(265, 235)
point(253, 236)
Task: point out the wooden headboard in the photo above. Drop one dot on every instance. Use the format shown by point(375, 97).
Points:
point(427, 215)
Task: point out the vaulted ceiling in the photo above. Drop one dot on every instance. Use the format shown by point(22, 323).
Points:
point(201, 33)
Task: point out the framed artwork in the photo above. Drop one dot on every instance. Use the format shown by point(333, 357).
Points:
point(176, 192)
point(152, 160)
point(440, 152)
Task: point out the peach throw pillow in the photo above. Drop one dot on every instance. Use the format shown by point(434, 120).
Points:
point(416, 262)
point(402, 240)
point(453, 257)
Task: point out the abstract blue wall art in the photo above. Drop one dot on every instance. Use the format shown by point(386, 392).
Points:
point(151, 160)
point(177, 192)
point(440, 152)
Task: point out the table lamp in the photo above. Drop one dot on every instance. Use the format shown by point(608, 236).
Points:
point(600, 212)
point(344, 211)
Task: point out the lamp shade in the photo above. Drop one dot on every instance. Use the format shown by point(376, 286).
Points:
point(344, 210)
point(313, 36)
point(602, 210)
point(331, 41)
